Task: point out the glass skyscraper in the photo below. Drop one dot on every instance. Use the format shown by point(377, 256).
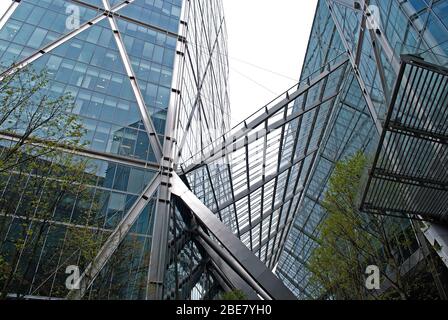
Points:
point(278, 162)
point(181, 207)
point(372, 35)
point(145, 75)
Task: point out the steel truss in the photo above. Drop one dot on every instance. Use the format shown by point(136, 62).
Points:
point(239, 197)
point(410, 174)
point(249, 178)
point(215, 236)
point(160, 187)
point(231, 258)
point(256, 193)
point(238, 267)
point(371, 42)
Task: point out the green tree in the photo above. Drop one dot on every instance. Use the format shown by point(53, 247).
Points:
point(234, 295)
point(34, 121)
point(351, 240)
point(4, 268)
point(39, 171)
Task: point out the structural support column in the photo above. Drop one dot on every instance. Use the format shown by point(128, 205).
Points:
point(159, 250)
point(158, 259)
point(249, 264)
point(353, 59)
point(114, 241)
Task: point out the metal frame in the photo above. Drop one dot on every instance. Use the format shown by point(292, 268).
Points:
point(410, 126)
point(87, 153)
point(244, 261)
point(353, 58)
point(264, 161)
point(257, 174)
point(4, 18)
point(245, 132)
point(113, 242)
point(107, 13)
point(382, 53)
point(166, 156)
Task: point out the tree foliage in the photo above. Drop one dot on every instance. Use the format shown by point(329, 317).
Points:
point(350, 240)
point(39, 172)
point(234, 295)
point(37, 120)
point(50, 215)
point(335, 264)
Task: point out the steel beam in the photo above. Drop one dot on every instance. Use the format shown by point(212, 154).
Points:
point(233, 276)
point(326, 131)
point(199, 88)
point(352, 59)
point(108, 13)
point(85, 152)
point(146, 117)
point(265, 181)
point(159, 258)
point(417, 133)
point(234, 247)
point(382, 174)
point(114, 241)
point(240, 138)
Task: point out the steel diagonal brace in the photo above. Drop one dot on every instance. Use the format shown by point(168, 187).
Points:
point(113, 242)
point(240, 138)
point(14, 4)
point(352, 59)
point(255, 270)
point(146, 117)
point(198, 95)
point(108, 13)
point(55, 44)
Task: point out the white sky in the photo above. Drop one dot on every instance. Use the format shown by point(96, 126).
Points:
point(271, 35)
point(4, 4)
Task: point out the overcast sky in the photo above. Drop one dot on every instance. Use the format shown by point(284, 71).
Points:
point(272, 35)
point(3, 5)
point(263, 35)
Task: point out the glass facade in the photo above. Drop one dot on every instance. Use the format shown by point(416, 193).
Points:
point(374, 43)
point(126, 65)
point(149, 85)
point(203, 115)
point(256, 189)
point(267, 177)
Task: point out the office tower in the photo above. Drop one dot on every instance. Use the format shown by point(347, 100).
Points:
point(379, 110)
point(182, 207)
point(147, 77)
point(366, 65)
